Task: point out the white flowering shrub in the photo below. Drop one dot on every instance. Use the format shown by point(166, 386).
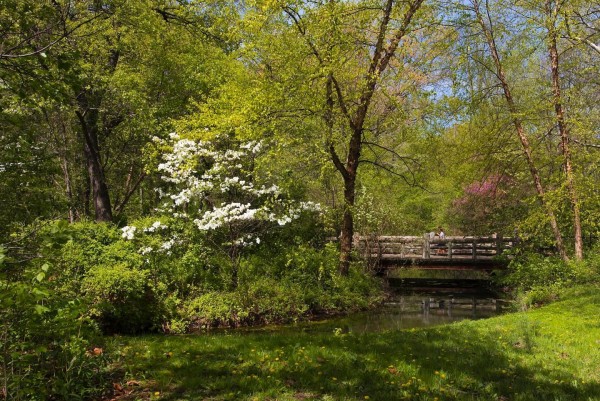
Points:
point(210, 197)
point(216, 189)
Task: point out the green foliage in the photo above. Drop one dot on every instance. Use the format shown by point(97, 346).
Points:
point(121, 298)
point(136, 285)
point(289, 285)
point(48, 348)
point(541, 279)
point(536, 270)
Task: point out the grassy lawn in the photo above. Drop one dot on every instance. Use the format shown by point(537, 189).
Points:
point(551, 353)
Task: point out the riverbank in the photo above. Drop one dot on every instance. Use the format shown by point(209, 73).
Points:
point(548, 353)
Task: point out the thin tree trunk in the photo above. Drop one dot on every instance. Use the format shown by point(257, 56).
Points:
point(65, 169)
point(512, 108)
point(68, 188)
point(89, 129)
point(129, 191)
point(87, 191)
point(551, 13)
point(56, 121)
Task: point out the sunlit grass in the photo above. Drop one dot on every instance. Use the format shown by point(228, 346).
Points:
point(552, 353)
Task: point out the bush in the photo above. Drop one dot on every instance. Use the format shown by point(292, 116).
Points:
point(291, 286)
point(535, 270)
point(539, 279)
point(121, 298)
point(48, 349)
point(137, 285)
point(127, 291)
point(213, 309)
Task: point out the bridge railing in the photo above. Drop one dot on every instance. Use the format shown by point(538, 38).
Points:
point(424, 247)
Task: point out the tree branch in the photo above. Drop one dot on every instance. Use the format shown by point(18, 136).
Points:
point(571, 36)
point(587, 145)
point(381, 57)
point(399, 156)
point(413, 181)
point(63, 36)
point(297, 19)
point(119, 208)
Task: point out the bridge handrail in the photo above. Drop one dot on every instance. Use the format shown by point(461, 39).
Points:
point(415, 238)
point(424, 247)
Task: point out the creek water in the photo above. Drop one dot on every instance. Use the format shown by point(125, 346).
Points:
point(415, 303)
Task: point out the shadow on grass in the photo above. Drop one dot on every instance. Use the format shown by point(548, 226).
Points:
point(509, 358)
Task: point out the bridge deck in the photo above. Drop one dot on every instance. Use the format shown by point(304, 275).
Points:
point(468, 252)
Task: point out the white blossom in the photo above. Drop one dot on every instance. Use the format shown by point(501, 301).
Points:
point(197, 173)
point(157, 225)
point(145, 250)
point(128, 232)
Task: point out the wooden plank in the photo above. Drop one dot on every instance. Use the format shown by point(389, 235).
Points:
point(395, 238)
point(499, 247)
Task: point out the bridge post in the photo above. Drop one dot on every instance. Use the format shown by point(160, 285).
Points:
point(499, 245)
point(474, 248)
point(450, 250)
point(426, 247)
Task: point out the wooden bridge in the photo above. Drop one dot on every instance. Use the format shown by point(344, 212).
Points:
point(468, 252)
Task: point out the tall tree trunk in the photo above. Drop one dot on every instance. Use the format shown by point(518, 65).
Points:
point(88, 113)
point(517, 122)
point(551, 14)
point(347, 234)
point(382, 55)
point(88, 118)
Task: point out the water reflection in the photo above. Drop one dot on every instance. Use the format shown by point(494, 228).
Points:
point(418, 302)
point(411, 311)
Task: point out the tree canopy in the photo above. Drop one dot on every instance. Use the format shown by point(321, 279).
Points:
point(394, 116)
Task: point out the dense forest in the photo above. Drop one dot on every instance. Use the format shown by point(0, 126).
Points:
point(176, 165)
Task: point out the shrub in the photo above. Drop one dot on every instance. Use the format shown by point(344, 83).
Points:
point(535, 270)
point(212, 309)
point(46, 343)
point(293, 285)
point(121, 298)
point(136, 284)
point(539, 279)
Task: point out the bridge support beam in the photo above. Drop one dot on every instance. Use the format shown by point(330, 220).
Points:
point(426, 247)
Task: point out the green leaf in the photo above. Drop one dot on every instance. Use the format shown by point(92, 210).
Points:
point(41, 309)
point(37, 291)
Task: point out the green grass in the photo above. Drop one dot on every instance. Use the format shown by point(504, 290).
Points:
point(551, 353)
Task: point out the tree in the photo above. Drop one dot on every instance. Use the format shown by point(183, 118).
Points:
point(351, 48)
point(214, 186)
point(489, 35)
point(98, 79)
point(552, 12)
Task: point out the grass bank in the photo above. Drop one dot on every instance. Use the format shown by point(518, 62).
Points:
point(550, 353)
